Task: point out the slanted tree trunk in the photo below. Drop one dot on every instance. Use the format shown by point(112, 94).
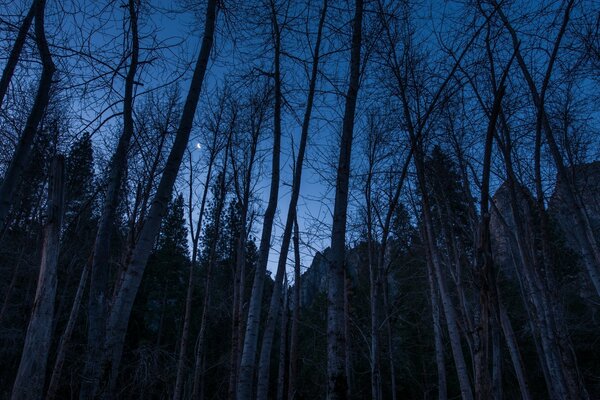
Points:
point(29, 383)
point(99, 285)
point(337, 384)
point(14, 173)
point(515, 355)
point(61, 352)
point(125, 296)
point(248, 361)
point(15, 52)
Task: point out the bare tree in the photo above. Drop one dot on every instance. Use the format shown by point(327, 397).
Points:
point(248, 361)
point(118, 318)
point(99, 279)
point(16, 50)
point(267, 342)
point(337, 387)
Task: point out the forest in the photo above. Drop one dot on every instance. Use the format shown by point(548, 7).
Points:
point(300, 199)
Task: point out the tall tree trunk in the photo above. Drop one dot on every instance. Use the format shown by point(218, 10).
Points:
point(14, 173)
point(515, 355)
point(374, 289)
point(293, 373)
point(212, 261)
point(337, 385)
point(99, 280)
point(437, 333)
point(488, 306)
point(446, 300)
point(124, 298)
point(29, 383)
point(61, 352)
point(16, 50)
point(283, 338)
point(237, 337)
point(248, 361)
point(267, 342)
point(185, 333)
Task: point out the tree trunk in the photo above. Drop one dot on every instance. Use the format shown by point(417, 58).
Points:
point(437, 334)
point(237, 337)
point(61, 352)
point(267, 342)
point(14, 172)
point(98, 296)
point(29, 383)
point(185, 333)
point(283, 335)
point(248, 361)
point(515, 355)
point(124, 298)
point(212, 261)
point(582, 228)
point(337, 385)
point(446, 300)
point(293, 373)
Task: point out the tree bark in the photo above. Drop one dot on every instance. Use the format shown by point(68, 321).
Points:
point(337, 385)
point(29, 383)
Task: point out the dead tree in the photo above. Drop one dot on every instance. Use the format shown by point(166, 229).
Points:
point(29, 383)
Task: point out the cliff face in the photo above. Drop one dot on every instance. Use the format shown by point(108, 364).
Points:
point(314, 280)
point(503, 226)
point(587, 185)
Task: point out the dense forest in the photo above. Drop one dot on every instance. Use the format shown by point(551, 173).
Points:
point(300, 199)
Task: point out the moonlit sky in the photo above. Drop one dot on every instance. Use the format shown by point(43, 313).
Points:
point(173, 33)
